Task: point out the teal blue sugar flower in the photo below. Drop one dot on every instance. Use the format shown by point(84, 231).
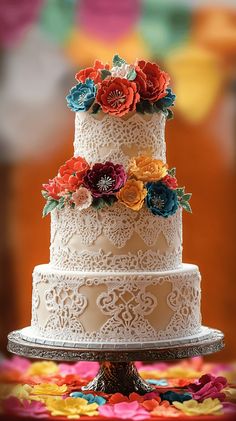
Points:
point(81, 96)
point(89, 397)
point(166, 101)
point(161, 200)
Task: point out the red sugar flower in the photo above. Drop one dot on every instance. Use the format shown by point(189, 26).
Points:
point(156, 81)
point(117, 96)
point(70, 175)
point(53, 189)
point(170, 182)
point(92, 72)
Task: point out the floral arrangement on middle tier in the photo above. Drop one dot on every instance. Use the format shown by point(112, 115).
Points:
point(147, 182)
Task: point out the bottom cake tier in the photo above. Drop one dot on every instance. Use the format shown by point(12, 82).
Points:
point(80, 308)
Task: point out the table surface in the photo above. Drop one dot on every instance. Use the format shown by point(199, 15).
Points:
point(51, 376)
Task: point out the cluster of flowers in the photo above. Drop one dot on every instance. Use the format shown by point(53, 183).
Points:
point(122, 88)
point(46, 389)
point(147, 180)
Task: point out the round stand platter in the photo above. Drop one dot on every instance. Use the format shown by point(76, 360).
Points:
point(117, 371)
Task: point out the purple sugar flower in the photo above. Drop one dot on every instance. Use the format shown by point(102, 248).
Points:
point(208, 386)
point(105, 179)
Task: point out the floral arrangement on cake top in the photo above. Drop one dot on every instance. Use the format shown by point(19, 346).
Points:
point(122, 88)
point(148, 182)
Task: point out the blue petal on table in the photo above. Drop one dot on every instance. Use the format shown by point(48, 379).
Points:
point(89, 397)
point(160, 382)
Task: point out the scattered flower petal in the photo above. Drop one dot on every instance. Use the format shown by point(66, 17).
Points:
point(49, 389)
point(193, 407)
point(71, 407)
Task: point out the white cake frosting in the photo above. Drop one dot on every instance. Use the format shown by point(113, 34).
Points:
point(113, 307)
point(100, 137)
point(116, 239)
point(115, 275)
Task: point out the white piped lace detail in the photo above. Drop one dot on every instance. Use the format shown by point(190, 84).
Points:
point(88, 261)
point(116, 224)
point(127, 302)
point(112, 138)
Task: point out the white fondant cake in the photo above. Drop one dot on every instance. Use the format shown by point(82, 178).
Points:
point(115, 276)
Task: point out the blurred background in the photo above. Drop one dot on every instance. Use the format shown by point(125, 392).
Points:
point(43, 44)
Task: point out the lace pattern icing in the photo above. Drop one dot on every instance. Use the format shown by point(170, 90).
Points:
point(127, 302)
point(86, 261)
point(116, 224)
point(112, 138)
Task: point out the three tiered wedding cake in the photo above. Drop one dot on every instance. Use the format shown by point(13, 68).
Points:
point(116, 276)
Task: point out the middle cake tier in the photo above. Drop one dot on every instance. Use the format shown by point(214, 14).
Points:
point(115, 239)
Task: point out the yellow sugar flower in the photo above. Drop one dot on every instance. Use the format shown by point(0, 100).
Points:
point(49, 389)
point(132, 195)
point(43, 368)
point(145, 168)
point(71, 408)
point(192, 407)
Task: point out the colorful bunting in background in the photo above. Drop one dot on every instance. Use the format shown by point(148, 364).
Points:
point(195, 71)
point(15, 18)
point(106, 20)
point(57, 19)
point(164, 24)
point(197, 44)
point(82, 49)
point(215, 28)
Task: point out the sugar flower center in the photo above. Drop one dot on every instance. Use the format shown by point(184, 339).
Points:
point(115, 98)
point(105, 183)
point(158, 202)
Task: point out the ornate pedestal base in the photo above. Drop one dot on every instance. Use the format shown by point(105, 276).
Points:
point(117, 372)
point(122, 377)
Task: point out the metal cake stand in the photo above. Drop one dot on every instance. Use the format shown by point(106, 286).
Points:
point(117, 371)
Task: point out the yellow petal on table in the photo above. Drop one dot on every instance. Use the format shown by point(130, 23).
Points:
point(174, 372)
point(71, 408)
point(43, 368)
point(20, 391)
point(230, 393)
point(197, 77)
point(192, 407)
point(49, 389)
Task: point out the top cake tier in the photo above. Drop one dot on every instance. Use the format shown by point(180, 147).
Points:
point(102, 137)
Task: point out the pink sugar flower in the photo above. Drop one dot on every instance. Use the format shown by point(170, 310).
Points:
point(208, 386)
point(124, 410)
point(82, 198)
point(24, 408)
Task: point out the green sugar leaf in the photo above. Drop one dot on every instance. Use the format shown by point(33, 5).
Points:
point(132, 74)
point(95, 108)
point(180, 192)
point(110, 200)
point(118, 61)
point(169, 114)
point(44, 194)
point(105, 73)
point(172, 172)
point(186, 206)
point(187, 197)
point(50, 205)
